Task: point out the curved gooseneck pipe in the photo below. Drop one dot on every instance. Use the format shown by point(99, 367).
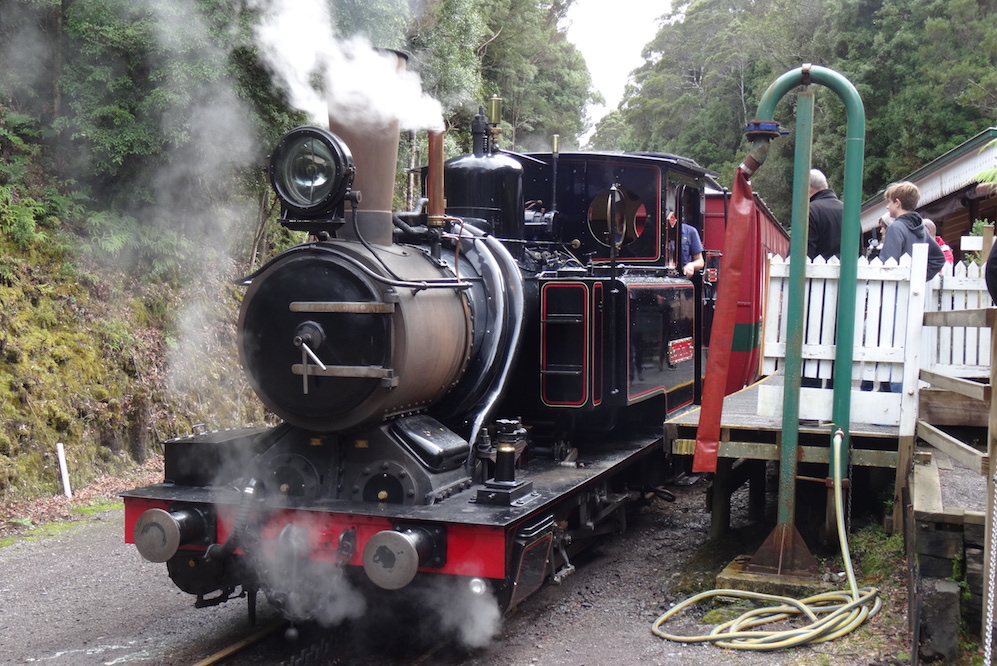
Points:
point(761, 132)
point(509, 307)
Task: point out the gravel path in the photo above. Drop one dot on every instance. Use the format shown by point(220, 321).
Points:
point(85, 598)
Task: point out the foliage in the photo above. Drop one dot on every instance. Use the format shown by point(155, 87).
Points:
point(528, 61)
point(144, 92)
point(30, 203)
point(444, 40)
point(923, 68)
point(383, 22)
point(878, 556)
point(610, 133)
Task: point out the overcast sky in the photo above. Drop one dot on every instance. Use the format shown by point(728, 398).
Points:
point(611, 34)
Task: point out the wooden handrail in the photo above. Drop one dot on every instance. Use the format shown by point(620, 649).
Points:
point(975, 317)
point(966, 387)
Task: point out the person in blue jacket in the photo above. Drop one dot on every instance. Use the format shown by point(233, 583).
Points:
point(692, 247)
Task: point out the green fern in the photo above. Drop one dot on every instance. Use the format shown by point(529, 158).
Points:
point(18, 215)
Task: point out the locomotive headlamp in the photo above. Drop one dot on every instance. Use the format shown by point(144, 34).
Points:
point(312, 171)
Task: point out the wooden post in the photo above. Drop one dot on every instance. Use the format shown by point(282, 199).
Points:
point(756, 491)
point(991, 452)
point(720, 499)
point(905, 463)
point(912, 366)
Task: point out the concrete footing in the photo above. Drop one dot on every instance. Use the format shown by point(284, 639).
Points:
point(735, 577)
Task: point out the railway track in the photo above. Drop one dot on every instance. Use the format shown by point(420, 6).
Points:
point(238, 646)
point(308, 648)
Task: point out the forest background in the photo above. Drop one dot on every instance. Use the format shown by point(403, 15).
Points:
point(134, 136)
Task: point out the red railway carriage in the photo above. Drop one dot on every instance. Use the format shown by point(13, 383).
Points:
point(768, 237)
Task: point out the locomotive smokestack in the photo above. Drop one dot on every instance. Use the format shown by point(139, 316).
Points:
point(375, 155)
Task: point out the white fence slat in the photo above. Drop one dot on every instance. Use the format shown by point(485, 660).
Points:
point(774, 328)
point(955, 350)
point(830, 328)
point(813, 307)
point(887, 320)
point(912, 323)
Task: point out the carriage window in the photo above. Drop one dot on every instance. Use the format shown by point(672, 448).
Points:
point(628, 212)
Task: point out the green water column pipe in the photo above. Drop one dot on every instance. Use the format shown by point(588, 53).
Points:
point(850, 234)
point(795, 315)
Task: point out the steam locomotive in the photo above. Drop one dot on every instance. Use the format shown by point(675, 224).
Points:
point(470, 391)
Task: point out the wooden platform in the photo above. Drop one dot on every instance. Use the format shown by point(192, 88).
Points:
point(747, 434)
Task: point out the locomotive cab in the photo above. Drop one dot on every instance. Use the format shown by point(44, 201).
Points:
point(629, 328)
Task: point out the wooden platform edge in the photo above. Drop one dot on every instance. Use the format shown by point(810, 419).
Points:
point(954, 516)
point(762, 451)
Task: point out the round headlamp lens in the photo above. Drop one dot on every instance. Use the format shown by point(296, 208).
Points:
point(308, 171)
point(311, 170)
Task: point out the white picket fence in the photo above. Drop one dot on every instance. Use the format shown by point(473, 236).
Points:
point(957, 351)
point(889, 308)
point(889, 346)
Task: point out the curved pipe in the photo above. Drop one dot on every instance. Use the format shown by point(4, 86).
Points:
point(851, 226)
point(225, 550)
point(509, 307)
point(513, 329)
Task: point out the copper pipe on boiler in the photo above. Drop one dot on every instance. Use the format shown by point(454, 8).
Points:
point(436, 208)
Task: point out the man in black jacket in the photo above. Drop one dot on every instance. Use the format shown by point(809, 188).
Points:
point(824, 235)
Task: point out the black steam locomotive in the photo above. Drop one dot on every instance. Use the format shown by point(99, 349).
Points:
point(469, 391)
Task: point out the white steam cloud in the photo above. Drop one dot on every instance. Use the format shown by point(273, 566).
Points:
point(349, 79)
point(475, 619)
point(214, 140)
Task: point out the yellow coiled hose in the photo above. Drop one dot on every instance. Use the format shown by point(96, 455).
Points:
point(831, 614)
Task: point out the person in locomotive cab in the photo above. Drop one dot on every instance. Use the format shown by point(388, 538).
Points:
point(826, 211)
point(692, 247)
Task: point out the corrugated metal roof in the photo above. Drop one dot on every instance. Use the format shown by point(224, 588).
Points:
point(945, 175)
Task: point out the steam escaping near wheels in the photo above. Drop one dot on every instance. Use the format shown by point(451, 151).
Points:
point(458, 609)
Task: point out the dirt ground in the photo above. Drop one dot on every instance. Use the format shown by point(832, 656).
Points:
point(605, 614)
